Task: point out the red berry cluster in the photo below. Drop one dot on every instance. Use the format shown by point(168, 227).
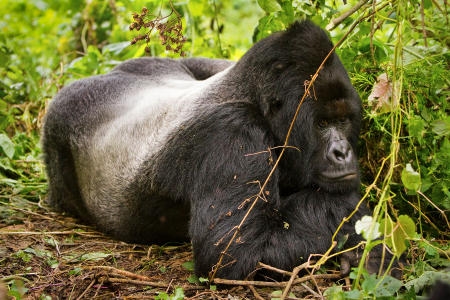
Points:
point(169, 28)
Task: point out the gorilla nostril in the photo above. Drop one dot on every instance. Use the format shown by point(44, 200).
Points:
point(340, 152)
point(339, 155)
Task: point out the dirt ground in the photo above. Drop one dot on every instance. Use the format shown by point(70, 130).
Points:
point(44, 254)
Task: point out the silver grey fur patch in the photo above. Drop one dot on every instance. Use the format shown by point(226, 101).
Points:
point(134, 129)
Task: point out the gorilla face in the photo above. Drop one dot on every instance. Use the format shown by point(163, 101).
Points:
point(334, 162)
point(335, 125)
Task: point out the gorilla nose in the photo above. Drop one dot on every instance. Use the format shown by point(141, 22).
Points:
point(340, 152)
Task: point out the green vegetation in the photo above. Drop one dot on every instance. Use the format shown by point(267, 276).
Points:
point(397, 58)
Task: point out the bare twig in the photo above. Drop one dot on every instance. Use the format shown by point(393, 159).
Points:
point(291, 280)
point(255, 292)
point(313, 279)
point(336, 21)
point(435, 206)
point(170, 284)
point(275, 284)
point(99, 287)
point(311, 290)
point(119, 272)
point(274, 269)
point(87, 234)
point(138, 282)
point(425, 217)
point(248, 282)
point(272, 148)
point(317, 276)
point(151, 283)
point(86, 290)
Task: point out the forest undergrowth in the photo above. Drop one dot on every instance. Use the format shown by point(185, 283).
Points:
point(397, 58)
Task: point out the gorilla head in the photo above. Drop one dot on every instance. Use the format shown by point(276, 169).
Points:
point(278, 70)
point(163, 150)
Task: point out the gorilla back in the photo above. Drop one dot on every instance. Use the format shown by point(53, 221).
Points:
point(167, 150)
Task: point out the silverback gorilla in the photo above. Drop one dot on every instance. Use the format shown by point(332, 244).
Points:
point(165, 150)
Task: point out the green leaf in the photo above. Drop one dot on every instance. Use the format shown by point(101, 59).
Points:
point(17, 289)
point(416, 128)
point(426, 279)
point(269, 5)
point(6, 145)
point(202, 279)
point(410, 178)
point(353, 295)
point(189, 265)
point(335, 293)
point(369, 284)
point(407, 226)
point(388, 287)
point(162, 296)
point(193, 279)
point(266, 26)
point(75, 271)
point(441, 127)
point(94, 256)
point(178, 295)
point(397, 234)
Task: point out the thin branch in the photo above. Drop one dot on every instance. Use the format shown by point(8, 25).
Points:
point(92, 234)
point(249, 282)
point(86, 290)
point(151, 283)
point(291, 280)
point(255, 292)
point(435, 206)
point(311, 291)
point(336, 21)
point(267, 267)
point(138, 282)
point(119, 272)
point(275, 284)
point(425, 217)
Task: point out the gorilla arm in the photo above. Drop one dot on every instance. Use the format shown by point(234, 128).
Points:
point(212, 162)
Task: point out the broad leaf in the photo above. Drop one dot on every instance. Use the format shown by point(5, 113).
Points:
point(269, 5)
point(411, 178)
point(388, 287)
point(6, 145)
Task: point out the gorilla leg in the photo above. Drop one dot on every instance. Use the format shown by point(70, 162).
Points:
point(63, 188)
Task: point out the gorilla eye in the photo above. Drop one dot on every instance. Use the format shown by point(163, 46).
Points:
point(323, 123)
point(342, 120)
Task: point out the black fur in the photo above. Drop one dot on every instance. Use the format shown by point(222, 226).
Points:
point(201, 175)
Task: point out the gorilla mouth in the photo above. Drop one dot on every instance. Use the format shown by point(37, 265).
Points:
point(339, 176)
